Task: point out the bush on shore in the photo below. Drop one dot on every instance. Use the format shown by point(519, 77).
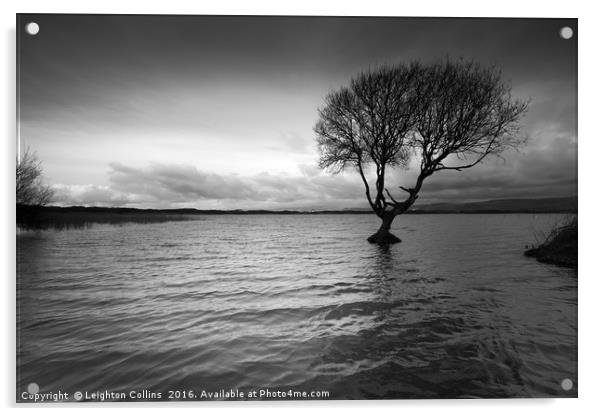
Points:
point(560, 247)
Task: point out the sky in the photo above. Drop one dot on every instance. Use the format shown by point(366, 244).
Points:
point(216, 112)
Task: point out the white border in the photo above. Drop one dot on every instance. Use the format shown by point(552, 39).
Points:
point(590, 286)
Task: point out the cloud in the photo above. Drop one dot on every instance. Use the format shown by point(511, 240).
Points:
point(177, 183)
point(292, 142)
point(309, 170)
point(207, 96)
point(161, 185)
point(546, 168)
point(91, 195)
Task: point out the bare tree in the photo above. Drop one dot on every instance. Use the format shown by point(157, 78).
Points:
point(439, 113)
point(30, 188)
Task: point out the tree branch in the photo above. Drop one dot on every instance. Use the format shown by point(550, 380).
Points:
point(366, 185)
point(390, 196)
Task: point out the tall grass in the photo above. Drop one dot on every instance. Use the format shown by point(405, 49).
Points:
point(29, 218)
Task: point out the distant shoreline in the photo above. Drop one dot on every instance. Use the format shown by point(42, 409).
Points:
point(36, 217)
point(194, 211)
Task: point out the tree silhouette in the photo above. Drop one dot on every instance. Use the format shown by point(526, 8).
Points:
point(450, 115)
point(30, 188)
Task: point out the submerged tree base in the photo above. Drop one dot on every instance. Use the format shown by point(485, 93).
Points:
point(383, 238)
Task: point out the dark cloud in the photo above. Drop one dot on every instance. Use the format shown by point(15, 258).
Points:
point(545, 168)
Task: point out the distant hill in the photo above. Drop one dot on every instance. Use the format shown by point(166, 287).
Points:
point(503, 205)
point(24, 213)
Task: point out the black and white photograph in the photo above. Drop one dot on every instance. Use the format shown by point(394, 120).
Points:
point(295, 208)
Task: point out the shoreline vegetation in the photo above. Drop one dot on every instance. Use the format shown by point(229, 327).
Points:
point(45, 217)
point(560, 246)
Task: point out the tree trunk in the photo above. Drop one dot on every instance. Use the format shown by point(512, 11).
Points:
point(383, 236)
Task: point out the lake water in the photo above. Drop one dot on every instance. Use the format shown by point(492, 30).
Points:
point(300, 302)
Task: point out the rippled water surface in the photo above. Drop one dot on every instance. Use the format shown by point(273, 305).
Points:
point(298, 301)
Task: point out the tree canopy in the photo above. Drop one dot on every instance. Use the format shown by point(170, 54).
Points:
point(439, 113)
point(29, 186)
